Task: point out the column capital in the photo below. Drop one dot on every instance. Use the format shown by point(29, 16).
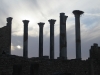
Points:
point(25, 21)
point(66, 17)
point(77, 12)
point(52, 21)
point(9, 19)
point(62, 14)
point(63, 17)
point(41, 23)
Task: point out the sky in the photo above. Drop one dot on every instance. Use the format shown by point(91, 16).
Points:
point(41, 11)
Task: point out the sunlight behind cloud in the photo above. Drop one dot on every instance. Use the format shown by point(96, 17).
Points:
point(41, 11)
point(27, 17)
point(12, 47)
point(18, 46)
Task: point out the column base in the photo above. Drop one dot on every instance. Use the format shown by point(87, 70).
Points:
point(79, 58)
point(44, 57)
point(64, 58)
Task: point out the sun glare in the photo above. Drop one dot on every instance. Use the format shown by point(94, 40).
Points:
point(28, 17)
point(19, 47)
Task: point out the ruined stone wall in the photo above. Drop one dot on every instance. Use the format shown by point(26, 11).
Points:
point(45, 66)
point(7, 62)
point(5, 39)
point(96, 67)
point(75, 67)
point(95, 52)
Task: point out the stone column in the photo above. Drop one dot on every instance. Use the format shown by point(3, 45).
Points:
point(52, 22)
point(63, 47)
point(77, 14)
point(9, 24)
point(25, 44)
point(41, 39)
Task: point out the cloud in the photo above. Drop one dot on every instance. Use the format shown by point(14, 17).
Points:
point(41, 11)
point(12, 47)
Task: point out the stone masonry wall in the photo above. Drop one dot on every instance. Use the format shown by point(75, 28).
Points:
point(5, 39)
point(95, 52)
point(46, 66)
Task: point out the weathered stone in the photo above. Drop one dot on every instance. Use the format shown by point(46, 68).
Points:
point(34, 69)
point(63, 42)
point(52, 22)
point(17, 69)
point(77, 14)
point(5, 37)
point(41, 38)
point(25, 43)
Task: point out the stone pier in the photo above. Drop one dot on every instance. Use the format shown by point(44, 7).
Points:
point(9, 24)
point(77, 14)
point(25, 43)
point(94, 51)
point(41, 39)
point(63, 42)
point(52, 22)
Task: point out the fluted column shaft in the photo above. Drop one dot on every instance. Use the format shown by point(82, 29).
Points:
point(77, 14)
point(52, 22)
point(41, 38)
point(9, 24)
point(25, 43)
point(63, 47)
